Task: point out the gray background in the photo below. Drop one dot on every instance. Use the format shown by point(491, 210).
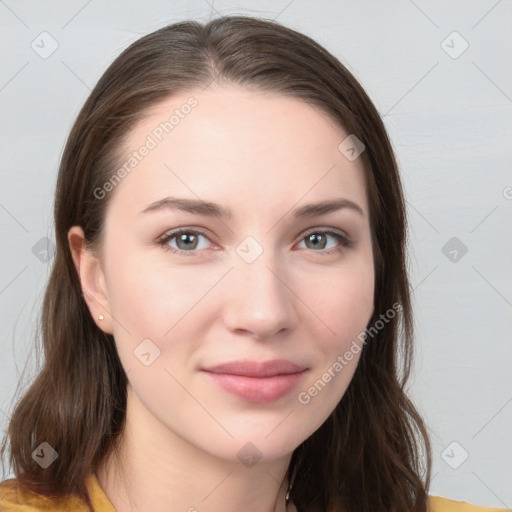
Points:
point(448, 112)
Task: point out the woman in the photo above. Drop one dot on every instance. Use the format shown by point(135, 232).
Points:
point(255, 369)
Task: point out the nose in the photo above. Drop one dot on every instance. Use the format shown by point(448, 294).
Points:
point(259, 300)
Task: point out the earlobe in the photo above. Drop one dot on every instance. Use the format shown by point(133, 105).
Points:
point(91, 278)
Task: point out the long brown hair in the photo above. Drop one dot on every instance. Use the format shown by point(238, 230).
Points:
point(373, 452)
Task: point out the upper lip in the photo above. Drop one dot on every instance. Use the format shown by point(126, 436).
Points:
point(248, 368)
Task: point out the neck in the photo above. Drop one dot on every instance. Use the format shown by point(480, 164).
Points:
point(156, 470)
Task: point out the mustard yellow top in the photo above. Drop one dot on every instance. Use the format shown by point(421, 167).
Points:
point(12, 499)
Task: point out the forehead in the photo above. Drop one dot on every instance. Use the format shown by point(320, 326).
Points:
point(229, 140)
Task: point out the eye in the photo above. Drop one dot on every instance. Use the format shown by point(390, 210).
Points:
point(318, 239)
point(187, 241)
point(185, 238)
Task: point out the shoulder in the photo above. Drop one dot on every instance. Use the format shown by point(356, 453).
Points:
point(13, 498)
point(439, 504)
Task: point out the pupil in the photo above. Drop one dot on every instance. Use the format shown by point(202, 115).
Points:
point(184, 237)
point(315, 237)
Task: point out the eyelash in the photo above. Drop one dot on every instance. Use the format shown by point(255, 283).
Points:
point(163, 241)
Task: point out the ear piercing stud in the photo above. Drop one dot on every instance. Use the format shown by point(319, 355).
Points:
point(101, 317)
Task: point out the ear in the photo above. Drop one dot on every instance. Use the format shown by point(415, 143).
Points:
point(92, 279)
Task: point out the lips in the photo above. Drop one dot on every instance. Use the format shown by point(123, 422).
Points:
point(257, 369)
point(257, 382)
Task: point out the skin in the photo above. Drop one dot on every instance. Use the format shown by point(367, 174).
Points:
point(261, 155)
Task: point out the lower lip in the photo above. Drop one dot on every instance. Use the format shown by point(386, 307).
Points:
point(257, 389)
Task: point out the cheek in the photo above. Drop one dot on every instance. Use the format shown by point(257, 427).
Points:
point(151, 296)
point(148, 301)
point(345, 309)
point(341, 301)
point(341, 309)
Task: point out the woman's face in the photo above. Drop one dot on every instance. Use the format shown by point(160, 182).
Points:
point(273, 280)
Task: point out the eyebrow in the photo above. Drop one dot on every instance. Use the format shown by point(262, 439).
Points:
point(211, 209)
